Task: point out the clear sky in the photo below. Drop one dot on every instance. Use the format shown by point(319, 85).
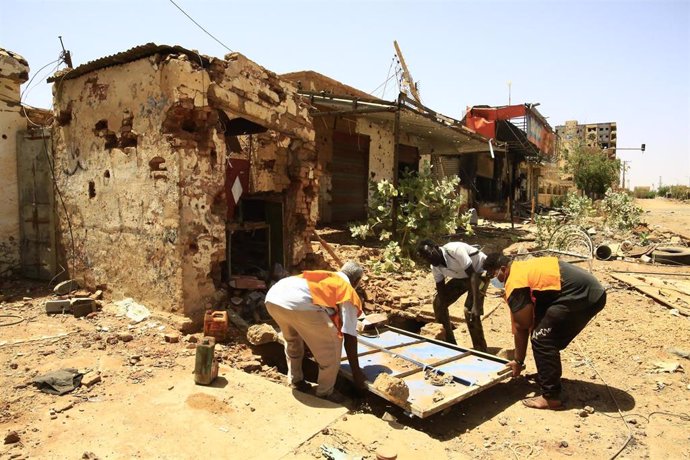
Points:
point(623, 61)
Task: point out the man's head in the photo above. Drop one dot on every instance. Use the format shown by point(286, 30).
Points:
point(497, 266)
point(429, 251)
point(353, 271)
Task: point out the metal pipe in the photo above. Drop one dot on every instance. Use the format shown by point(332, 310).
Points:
point(603, 252)
point(396, 153)
point(353, 111)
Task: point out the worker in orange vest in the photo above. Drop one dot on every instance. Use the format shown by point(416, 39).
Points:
point(553, 301)
point(320, 308)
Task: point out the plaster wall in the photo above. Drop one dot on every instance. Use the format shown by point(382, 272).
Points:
point(123, 201)
point(142, 153)
point(13, 72)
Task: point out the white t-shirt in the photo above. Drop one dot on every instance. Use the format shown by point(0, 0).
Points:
point(458, 256)
point(292, 293)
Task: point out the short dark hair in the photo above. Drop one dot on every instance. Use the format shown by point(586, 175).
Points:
point(423, 247)
point(494, 261)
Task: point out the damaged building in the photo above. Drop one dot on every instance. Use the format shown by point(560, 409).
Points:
point(361, 138)
point(27, 239)
point(526, 175)
point(179, 171)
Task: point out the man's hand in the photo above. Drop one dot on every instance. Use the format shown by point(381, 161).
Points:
point(516, 367)
point(475, 315)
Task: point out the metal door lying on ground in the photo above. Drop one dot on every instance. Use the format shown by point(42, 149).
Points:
point(437, 374)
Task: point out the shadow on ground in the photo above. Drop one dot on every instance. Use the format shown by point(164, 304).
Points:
point(478, 409)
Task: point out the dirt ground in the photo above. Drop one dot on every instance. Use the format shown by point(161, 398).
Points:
point(146, 405)
point(671, 214)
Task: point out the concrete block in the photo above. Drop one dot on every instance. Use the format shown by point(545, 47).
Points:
point(58, 306)
point(172, 338)
point(82, 306)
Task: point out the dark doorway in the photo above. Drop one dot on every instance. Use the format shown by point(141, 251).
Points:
point(408, 159)
point(255, 237)
point(350, 173)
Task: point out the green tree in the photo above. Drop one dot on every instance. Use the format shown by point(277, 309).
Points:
point(428, 207)
point(592, 169)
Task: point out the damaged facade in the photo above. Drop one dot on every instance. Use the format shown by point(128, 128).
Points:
point(179, 170)
point(529, 173)
point(26, 234)
point(361, 138)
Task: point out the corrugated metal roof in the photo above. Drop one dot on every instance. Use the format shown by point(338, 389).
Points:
point(132, 54)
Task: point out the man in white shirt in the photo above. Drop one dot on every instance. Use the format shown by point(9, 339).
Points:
point(461, 263)
point(320, 308)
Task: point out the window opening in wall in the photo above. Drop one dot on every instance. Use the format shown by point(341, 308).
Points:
point(255, 237)
point(92, 189)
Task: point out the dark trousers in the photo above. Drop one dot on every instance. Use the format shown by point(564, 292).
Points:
point(447, 295)
point(554, 331)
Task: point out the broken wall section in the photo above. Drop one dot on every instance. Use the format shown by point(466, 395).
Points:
point(118, 174)
point(283, 158)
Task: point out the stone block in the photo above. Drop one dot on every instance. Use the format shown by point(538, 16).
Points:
point(91, 379)
point(172, 338)
point(82, 306)
point(58, 306)
point(66, 287)
point(125, 337)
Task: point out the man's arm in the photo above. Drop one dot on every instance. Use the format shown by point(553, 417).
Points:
point(351, 352)
point(349, 329)
point(522, 323)
point(474, 288)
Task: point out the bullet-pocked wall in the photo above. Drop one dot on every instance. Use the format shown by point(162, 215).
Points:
point(14, 71)
point(141, 159)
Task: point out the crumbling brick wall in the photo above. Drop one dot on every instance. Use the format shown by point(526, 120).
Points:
point(283, 159)
point(142, 158)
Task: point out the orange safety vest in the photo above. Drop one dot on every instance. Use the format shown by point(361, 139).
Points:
point(330, 290)
point(538, 274)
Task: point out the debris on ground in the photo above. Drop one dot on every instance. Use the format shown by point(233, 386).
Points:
point(682, 353)
point(260, 334)
point(12, 437)
point(660, 367)
point(58, 382)
point(132, 310)
point(433, 330)
point(394, 387)
point(66, 287)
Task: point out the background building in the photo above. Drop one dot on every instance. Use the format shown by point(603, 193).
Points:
point(602, 135)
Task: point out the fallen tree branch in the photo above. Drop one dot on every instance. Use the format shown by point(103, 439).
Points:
point(328, 249)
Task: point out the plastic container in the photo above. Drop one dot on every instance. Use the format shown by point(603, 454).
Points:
point(216, 325)
point(205, 366)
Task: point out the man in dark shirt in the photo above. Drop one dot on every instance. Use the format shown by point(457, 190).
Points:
point(552, 300)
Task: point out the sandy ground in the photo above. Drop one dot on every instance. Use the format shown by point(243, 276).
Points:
point(671, 214)
point(146, 405)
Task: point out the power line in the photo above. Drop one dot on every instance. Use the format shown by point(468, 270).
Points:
point(21, 95)
point(201, 27)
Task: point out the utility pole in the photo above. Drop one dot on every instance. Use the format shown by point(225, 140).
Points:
point(509, 85)
point(625, 166)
